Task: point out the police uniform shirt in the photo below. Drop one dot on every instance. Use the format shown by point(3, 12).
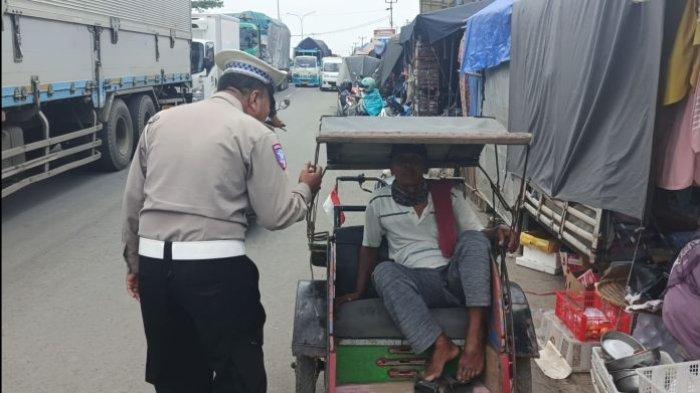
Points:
point(196, 171)
point(413, 240)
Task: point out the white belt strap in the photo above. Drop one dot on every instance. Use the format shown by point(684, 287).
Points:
point(210, 249)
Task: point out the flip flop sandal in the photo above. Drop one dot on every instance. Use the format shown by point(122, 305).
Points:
point(455, 385)
point(423, 386)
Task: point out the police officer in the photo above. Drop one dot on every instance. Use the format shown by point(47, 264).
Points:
point(196, 171)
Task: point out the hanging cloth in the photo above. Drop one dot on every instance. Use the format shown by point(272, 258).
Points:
point(684, 63)
point(680, 154)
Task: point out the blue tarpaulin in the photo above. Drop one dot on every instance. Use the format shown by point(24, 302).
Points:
point(487, 37)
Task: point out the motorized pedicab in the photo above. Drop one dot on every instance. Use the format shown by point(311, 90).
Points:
point(360, 349)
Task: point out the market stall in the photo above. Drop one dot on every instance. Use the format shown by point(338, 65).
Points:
point(610, 92)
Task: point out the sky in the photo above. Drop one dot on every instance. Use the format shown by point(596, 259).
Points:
point(343, 22)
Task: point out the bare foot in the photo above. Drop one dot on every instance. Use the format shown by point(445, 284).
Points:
point(471, 364)
point(444, 351)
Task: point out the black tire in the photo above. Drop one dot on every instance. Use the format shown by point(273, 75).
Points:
point(141, 107)
point(306, 374)
point(523, 377)
point(117, 136)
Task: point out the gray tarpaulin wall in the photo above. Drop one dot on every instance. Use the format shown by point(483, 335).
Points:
point(584, 79)
point(391, 56)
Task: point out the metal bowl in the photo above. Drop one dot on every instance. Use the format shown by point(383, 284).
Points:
point(626, 381)
point(619, 336)
point(647, 358)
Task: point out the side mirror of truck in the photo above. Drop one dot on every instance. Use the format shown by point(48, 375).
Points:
point(209, 57)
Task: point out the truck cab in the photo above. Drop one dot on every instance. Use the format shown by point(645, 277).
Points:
point(210, 33)
point(330, 68)
point(250, 39)
point(306, 71)
point(201, 65)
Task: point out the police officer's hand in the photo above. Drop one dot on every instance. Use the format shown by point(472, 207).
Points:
point(311, 175)
point(132, 285)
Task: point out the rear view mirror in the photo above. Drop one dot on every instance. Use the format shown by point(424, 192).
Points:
point(209, 57)
point(284, 105)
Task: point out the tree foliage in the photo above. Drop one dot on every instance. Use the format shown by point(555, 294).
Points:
point(201, 5)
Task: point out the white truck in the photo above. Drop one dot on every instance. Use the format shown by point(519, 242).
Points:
point(210, 34)
point(330, 68)
point(80, 79)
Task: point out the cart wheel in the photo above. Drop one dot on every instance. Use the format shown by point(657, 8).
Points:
point(523, 377)
point(306, 372)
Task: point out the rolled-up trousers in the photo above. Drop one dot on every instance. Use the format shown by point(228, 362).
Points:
point(408, 293)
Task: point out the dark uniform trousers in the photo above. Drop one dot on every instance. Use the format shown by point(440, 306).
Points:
point(204, 325)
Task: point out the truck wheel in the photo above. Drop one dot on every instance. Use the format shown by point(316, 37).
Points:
point(117, 136)
point(141, 107)
point(523, 378)
point(306, 372)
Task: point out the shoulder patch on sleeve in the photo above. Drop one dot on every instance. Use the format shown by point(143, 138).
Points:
point(279, 155)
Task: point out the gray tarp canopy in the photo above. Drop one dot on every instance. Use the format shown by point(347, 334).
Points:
point(584, 78)
point(436, 25)
point(354, 68)
point(312, 43)
point(360, 142)
point(391, 56)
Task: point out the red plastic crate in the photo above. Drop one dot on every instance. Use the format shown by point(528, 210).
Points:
point(601, 317)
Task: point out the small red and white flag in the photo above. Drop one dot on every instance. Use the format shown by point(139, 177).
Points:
point(332, 201)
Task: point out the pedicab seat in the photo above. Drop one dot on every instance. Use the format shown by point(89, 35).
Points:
point(367, 318)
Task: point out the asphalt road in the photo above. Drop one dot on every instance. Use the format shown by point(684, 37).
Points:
point(67, 322)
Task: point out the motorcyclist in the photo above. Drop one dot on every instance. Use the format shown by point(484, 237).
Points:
point(371, 102)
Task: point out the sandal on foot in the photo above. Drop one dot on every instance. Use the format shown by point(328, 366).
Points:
point(424, 386)
point(455, 384)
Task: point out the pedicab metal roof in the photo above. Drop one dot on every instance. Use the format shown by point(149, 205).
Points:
point(359, 142)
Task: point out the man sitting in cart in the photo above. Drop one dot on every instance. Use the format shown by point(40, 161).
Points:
point(440, 255)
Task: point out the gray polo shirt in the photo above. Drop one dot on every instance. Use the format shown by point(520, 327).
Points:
point(413, 240)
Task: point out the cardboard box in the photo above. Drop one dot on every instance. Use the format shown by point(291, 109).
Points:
point(571, 282)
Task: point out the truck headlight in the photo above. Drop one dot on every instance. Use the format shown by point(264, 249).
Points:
point(198, 93)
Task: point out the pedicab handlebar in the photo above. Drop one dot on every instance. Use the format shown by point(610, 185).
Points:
point(360, 179)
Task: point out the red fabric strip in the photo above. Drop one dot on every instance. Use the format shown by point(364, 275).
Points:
point(441, 192)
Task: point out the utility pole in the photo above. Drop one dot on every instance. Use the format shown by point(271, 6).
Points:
point(301, 20)
point(278, 10)
point(362, 40)
point(391, 11)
